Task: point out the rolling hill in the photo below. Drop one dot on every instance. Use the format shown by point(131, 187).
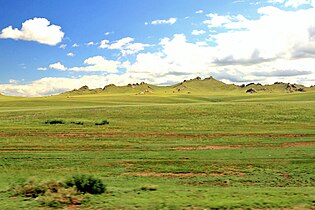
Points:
point(198, 86)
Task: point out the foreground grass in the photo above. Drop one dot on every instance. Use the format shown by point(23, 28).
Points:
point(235, 151)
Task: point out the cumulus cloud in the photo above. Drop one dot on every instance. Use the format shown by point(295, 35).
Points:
point(227, 21)
point(70, 54)
point(57, 66)
point(92, 64)
point(52, 85)
point(98, 63)
point(199, 11)
point(276, 34)
point(126, 46)
point(169, 21)
point(177, 59)
point(42, 68)
point(278, 45)
point(37, 29)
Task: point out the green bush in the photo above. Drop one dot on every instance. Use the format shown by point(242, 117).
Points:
point(53, 122)
point(50, 193)
point(31, 188)
point(103, 122)
point(78, 123)
point(86, 184)
point(64, 196)
point(149, 187)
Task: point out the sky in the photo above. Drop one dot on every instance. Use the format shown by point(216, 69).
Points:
point(52, 46)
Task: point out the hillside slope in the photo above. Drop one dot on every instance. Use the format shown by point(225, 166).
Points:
point(197, 86)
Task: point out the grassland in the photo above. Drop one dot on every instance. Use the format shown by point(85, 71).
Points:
point(206, 150)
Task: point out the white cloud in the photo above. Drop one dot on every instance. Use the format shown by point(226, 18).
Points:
point(126, 46)
point(278, 45)
point(57, 66)
point(42, 68)
point(37, 29)
point(92, 64)
point(170, 21)
point(75, 45)
point(227, 21)
point(199, 11)
point(13, 81)
point(198, 32)
point(53, 85)
point(63, 46)
point(297, 3)
point(276, 1)
point(276, 34)
point(217, 20)
point(70, 54)
point(178, 58)
point(98, 63)
point(292, 3)
point(108, 33)
point(90, 43)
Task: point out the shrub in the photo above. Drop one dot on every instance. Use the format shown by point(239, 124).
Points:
point(31, 188)
point(53, 122)
point(78, 123)
point(86, 184)
point(50, 193)
point(64, 196)
point(103, 122)
point(149, 188)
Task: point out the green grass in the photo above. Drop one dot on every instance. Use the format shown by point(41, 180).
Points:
point(198, 151)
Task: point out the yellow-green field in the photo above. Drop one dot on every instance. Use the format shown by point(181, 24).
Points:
point(198, 150)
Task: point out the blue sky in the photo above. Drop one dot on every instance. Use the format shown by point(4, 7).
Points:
point(51, 46)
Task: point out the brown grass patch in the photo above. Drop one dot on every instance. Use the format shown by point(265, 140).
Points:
point(155, 174)
point(209, 147)
point(218, 147)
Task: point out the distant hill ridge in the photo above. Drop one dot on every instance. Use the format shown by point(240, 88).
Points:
point(193, 86)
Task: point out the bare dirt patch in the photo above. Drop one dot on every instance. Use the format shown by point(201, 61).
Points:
point(209, 147)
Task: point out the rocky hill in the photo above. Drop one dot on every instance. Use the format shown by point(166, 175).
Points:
point(193, 86)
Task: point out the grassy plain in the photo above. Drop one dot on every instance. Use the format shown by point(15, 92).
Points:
point(200, 151)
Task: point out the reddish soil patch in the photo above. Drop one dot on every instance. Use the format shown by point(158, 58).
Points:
point(154, 174)
point(298, 144)
point(217, 174)
point(208, 147)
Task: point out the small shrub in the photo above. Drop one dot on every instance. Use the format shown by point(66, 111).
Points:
point(65, 196)
point(50, 193)
point(30, 188)
point(33, 188)
point(78, 123)
point(86, 184)
point(149, 188)
point(54, 122)
point(103, 122)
